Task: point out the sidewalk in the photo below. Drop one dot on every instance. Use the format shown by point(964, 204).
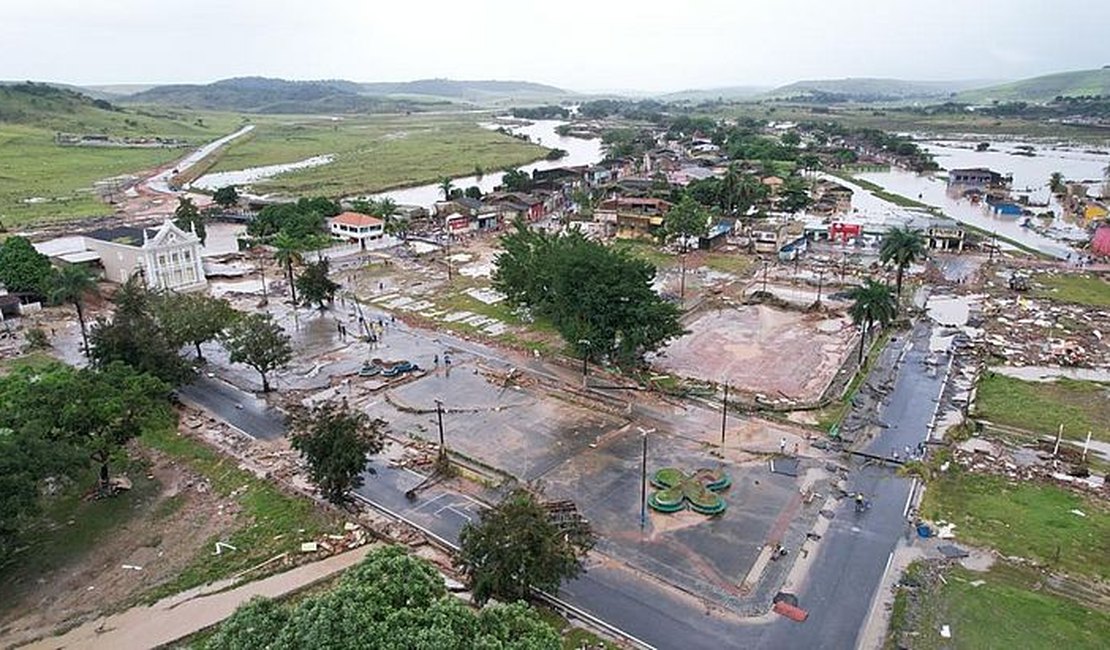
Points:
point(172, 618)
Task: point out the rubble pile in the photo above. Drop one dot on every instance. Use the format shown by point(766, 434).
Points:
point(1027, 331)
point(1039, 462)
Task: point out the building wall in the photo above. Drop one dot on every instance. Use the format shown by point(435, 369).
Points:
point(120, 261)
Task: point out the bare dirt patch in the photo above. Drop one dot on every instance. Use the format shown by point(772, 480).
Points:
point(763, 350)
point(172, 515)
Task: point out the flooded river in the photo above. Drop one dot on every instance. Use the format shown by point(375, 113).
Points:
point(580, 151)
point(1030, 177)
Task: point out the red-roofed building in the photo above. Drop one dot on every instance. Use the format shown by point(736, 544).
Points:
point(355, 226)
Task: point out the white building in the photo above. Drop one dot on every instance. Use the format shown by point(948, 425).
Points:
point(355, 226)
point(167, 257)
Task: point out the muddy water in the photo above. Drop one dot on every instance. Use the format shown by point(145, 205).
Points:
point(1030, 176)
point(580, 151)
point(250, 175)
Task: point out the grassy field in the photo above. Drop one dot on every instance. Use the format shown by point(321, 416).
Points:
point(1079, 288)
point(1027, 519)
point(272, 521)
point(1007, 609)
point(647, 251)
point(373, 153)
point(897, 121)
point(41, 181)
point(1041, 407)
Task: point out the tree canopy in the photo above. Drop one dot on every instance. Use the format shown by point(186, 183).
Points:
point(188, 217)
point(390, 600)
point(335, 441)
point(22, 268)
point(315, 285)
point(54, 419)
point(226, 197)
point(516, 180)
point(135, 336)
point(257, 341)
point(193, 318)
point(902, 246)
point(516, 547)
point(302, 220)
point(72, 283)
point(600, 299)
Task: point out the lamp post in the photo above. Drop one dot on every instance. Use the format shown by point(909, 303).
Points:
point(643, 476)
point(724, 415)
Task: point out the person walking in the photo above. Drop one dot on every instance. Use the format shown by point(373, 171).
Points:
point(782, 445)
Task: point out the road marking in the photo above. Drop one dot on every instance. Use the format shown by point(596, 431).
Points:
point(909, 497)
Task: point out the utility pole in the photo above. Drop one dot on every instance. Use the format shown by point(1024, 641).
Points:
point(724, 415)
point(643, 477)
point(439, 419)
point(765, 265)
point(820, 284)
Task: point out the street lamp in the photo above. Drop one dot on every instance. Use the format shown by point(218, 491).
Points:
point(724, 415)
point(643, 476)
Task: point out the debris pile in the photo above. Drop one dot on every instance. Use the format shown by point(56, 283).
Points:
point(1027, 331)
point(1040, 462)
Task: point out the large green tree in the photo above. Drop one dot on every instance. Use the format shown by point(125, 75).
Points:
point(22, 268)
point(872, 302)
point(902, 246)
point(73, 283)
point(516, 547)
point(193, 318)
point(390, 600)
point(315, 284)
point(335, 441)
point(188, 217)
point(226, 197)
point(135, 336)
point(516, 180)
point(600, 299)
point(1056, 183)
point(257, 341)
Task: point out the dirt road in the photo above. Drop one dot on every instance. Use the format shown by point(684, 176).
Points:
point(190, 612)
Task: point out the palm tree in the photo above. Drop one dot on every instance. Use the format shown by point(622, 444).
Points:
point(1056, 183)
point(287, 253)
point(730, 184)
point(872, 303)
point(446, 186)
point(70, 284)
point(902, 246)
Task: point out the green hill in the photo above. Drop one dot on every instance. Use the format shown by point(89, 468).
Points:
point(475, 91)
point(274, 96)
point(869, 90)
point(54, 108)
point(1077, 83)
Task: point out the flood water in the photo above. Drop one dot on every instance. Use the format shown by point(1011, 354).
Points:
point(241, 177)
point(1030, 177)
point(580, 151)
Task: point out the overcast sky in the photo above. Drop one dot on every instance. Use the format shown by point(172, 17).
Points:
point(580, 45)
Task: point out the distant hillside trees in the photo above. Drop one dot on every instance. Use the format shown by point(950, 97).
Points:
point(549, 112)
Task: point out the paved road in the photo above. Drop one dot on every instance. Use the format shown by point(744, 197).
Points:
point(238, 408)
point(847, 567)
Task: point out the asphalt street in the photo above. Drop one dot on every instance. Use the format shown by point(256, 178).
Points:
point(837, 592)
point(240, 409)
